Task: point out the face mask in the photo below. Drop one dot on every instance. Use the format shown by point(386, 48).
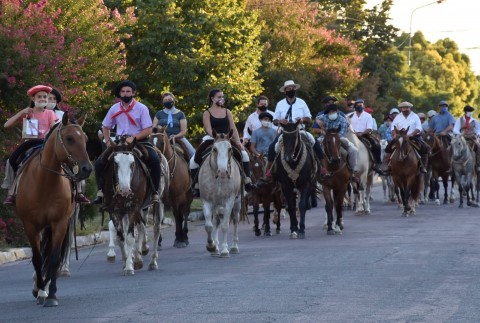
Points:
point(469, 114)
point(262, 108)
point(359, 109)
point(126, 99)
point(333, 116)
point(51, 105)
point(291, 93)
point(168, 104)
point(266, 124)
point(40, 104)
point(443, 109)
point(388, 123)
point(220, 102)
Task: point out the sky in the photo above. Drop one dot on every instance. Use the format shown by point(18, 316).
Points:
point(455, 19)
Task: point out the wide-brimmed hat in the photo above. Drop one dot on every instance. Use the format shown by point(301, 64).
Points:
point(265, 115)
point(431, 113)
point(289, 83)
point(405, 104)
point(421, 115)
point(37, 88)
point(442, 103)
point(468, 109)
point(329, 98)
point(123, 84)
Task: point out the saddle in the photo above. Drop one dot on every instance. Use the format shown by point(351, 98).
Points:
point(181, 149)
point(29, 154)
point(373, 148)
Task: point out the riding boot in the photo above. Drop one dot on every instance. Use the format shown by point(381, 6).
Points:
point(99, 198)
point(384, 169)
point(248, 181)
point(424, 163)
point(194, 175)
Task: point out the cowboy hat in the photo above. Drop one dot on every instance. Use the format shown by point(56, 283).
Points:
point(289, 83)
point(124, 84)
point(265, 115)
point(405, 104)
point(37, 88)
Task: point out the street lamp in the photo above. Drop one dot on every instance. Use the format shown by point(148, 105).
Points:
point(410, 32)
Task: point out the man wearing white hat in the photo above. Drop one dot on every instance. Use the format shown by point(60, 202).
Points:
point(406, 120)
point(292, 109)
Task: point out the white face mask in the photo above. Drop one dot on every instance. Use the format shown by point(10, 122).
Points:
point(51, 105)
point(266, 124)
point(40, 104)
point(469, 114)
point(333, 116)
point(388, 123)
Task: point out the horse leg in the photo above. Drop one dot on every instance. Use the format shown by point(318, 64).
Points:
point(156, 235)
point(224, 224)
point(368, 194)
point(304, 200)
point(140, 245)
point(38, 290)
point(236, 219)
point(178, 213)
point(337, 200)
point(129, 243)
point(266, 217)
point(277, 203)
point(327, 195)
point(445, 189)
point(64, 270)
point(186, 213)
point(111, 245)
point(207, 213)
point(290, 197)
point(256, 222)
point(460, 192)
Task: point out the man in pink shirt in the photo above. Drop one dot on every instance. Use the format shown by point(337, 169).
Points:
point(131, 118)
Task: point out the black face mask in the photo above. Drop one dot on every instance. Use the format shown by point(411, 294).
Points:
point(291, 93)
point(359, 109)
point(126, 99)
point(168, 104)
point(262, 108)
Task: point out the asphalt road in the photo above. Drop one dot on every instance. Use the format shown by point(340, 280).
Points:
point(383, 268)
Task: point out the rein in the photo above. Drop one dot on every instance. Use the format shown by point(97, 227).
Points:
point(401, 154)
point(174, 153)
point(68, 173)
point(294, 173)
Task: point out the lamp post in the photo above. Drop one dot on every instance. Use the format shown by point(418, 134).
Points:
point(410, 31)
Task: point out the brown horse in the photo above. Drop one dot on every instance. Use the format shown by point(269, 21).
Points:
point(405, 172)
point(440, 161)
point(264, 193)
point(179, 195)
point(335, 187)
point(45, 201)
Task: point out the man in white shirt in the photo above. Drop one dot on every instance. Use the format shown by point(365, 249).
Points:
point(406, 120)
point(253, 122)
point(469, 127)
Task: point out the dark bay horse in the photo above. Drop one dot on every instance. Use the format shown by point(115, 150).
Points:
point(179, 195)
point(335, 187)
point(127, 193)
point(296, 171)
point(264, 193)
point(405, 172)
point(45, 201)
point(440, 162)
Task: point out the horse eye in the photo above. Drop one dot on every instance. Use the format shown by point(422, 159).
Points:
point(69, 140)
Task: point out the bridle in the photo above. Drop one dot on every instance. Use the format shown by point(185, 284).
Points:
point(229, 163)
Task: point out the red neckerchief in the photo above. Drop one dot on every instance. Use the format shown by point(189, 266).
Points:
point(126, 111)
point(467, 121)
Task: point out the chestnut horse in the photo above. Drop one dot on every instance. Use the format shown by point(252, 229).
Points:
point(335, 187)
point(405, 172)
point(179, 195)
point(45, 201)
point(265, 193)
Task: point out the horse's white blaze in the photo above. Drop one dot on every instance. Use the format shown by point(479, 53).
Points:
point(223, 159)
point(124, 171)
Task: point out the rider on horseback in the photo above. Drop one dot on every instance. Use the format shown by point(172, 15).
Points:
point(442, 123)
point(292, 109)
point(331, 119)
point(132, 118)
point(363, 125)
point(220, 119)
point(470, 128)
point(407, 120)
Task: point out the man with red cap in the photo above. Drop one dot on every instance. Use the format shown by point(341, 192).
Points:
point(38, 123)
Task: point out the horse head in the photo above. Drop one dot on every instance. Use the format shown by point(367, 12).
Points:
point(402, 143)
point(69, 147)
point(331, 144)
point(221, 154)
point(459, 147)
point(291, 141)
point(257, 164)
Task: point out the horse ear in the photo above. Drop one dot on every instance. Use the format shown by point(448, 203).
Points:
point(134, 142)
point(163, 129)
point(65, 118)
point(155, 130)
point(81, 121)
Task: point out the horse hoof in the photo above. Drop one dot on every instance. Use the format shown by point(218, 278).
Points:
point(111, 259)
point(138, 265)
point(35, 293)
point(301, 235)
point(225, 254)
point(153, 267)
point(212, 248)
point(445, 202)
point(145, 251)
point(40, 300)
point(278, 231)
point(234, 250)
point(267, 234)
point(258, 232)
point(325, 226)
point(50, 302)
point(460, 206)
point(293, 235)
point(128, 272)
point(181, 245)
point(63, 273)
point(159, 248)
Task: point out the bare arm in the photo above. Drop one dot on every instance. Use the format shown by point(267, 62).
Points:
point(206, 123)
point(17, 118)
point(253, 150)
point(236, 137)
point(155, 122)
point(183, 129)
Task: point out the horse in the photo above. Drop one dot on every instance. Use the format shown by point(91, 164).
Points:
point(335, 187)
point(296, 171)
point(364, 169)
point(45, 213)
point(127, 192)
point(387, 182)
point(265, 192)
point(464, 168)
point(440, 162)
point(405, 172)
point(221, 191)
point(179, 195)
